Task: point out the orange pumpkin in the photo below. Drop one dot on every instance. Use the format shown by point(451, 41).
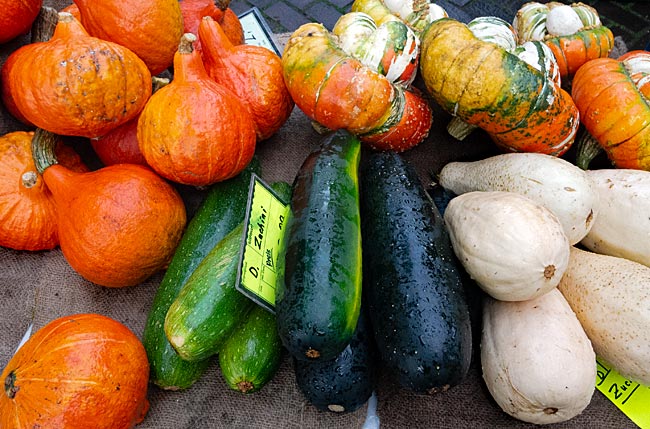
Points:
point(17, 17)
point(614, 111)
point(78, 371)
point(75, 84)
point(254, 73)
point(27, 212)
point(150, 28)
point(195, 131)
point(117, 225)
point(194, 10)
point(339, 92)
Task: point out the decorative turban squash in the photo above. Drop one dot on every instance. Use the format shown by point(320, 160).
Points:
point(574, 32)
point(519, 106)
point(612, 96)
point(417, 14)
point(338, 91)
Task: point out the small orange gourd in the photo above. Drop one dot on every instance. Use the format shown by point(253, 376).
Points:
point(77, 371)
point(254, 73)
point(195, 131)
point(117, 225)
point(194, 10)
point(27, 212)
point(75, 84)
point(150, 28)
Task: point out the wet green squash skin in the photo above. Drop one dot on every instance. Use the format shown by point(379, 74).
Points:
point(209, 307)
point(345, 383)
point(222, 209)
point(412, 284)
point(251, 355)
point(317, 306)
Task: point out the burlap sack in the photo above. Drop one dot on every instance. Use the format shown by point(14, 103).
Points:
point(40, 286)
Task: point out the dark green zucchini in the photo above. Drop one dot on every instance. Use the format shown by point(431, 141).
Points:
point(209, 306)
point(345, 383)
point(251, 355)
point(223, 208)
point(412, 282)
point(317, 306)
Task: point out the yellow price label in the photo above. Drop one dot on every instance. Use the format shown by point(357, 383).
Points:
point(262, 256)
point(632, 398)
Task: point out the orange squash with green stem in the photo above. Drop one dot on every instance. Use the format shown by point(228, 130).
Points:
point(485, 85)
point(194, 131)
point(117, 225)
point(611, 95)
point(254, 73)
point(339, 92)
point(28, 218)
point(75, 84)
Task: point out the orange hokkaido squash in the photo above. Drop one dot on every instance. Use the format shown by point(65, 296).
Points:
point(117, 225)
point(573, 32)
point(150, 28)
point(195, 131)
point(254, 73)
point(520, 107)
point(75, 84)
point(194, 10)
point(338, 91)
point(615, 109)
point(17, 17)
point(77, 371)
point(27, 213)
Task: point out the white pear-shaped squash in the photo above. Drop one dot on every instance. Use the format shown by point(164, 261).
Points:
point(537, 361)
point(623, 225)
point(611, 298)
point(557, 184)
point(514, 248)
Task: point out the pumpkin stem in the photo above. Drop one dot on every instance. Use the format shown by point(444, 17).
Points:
point(43, 145)
point(459, 129)
point(222, 4)
point(44, 25)
point(10, 385)
point(185, 47)
point(587, 149)
point(158, 82)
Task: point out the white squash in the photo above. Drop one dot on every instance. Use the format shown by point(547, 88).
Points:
point(514, 248)
point(537, 361)
point(611, 297)
point(623, 225)
point(558, 185)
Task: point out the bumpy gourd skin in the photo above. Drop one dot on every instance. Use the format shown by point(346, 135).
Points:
point(614, 112)
point(486, 86)
point(339, 92)
point(78, 371)
point(411, 283)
